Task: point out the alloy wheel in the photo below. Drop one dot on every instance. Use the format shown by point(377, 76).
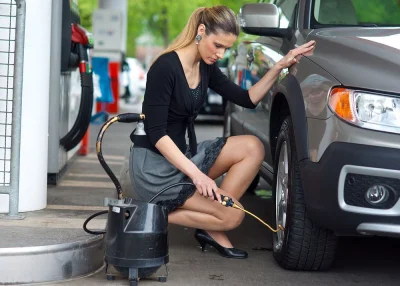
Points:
point(281, 197)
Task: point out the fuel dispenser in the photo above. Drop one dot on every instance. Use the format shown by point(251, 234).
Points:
point(69, 56)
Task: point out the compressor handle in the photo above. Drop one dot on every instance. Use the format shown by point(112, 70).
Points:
point(130, 117)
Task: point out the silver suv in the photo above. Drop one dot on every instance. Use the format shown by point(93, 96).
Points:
point(331, 123)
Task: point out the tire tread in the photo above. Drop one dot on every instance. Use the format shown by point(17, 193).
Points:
point(308, 246)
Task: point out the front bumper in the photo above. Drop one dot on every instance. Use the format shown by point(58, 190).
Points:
point(334, 189)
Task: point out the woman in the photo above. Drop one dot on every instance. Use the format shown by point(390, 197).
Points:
point(177, 83)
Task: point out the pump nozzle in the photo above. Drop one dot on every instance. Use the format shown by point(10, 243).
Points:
point(82, 40)
point(81, 36)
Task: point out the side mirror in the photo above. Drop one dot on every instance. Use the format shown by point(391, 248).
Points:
point(262, 19)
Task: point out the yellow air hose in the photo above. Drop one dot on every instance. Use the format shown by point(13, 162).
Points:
point(228, 202)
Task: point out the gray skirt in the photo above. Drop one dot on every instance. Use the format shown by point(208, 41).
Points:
point(151, 172)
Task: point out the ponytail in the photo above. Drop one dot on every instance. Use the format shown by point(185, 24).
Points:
point(217, 19)
point(187, 36)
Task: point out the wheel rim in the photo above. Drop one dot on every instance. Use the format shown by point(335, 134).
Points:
point(281, 197)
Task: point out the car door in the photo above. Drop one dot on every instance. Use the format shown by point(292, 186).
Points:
point(261, 57)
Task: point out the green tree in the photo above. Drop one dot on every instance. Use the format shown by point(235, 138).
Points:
point(163, 19)
point(86, 9)
point(378, 11)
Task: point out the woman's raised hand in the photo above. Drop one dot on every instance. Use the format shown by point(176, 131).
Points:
point(205, 186)
point(295, 55)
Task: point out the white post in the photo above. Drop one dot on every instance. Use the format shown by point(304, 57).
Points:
point(35, 109)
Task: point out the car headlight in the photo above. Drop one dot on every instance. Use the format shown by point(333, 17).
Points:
point(367, 110)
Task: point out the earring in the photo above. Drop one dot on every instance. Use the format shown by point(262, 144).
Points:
point(198, 38)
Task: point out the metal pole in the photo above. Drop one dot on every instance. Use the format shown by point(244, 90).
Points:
point(17, 108)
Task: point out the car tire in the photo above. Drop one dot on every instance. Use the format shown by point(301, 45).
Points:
point(303, 245)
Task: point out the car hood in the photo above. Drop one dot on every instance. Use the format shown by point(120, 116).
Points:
point(360, 57)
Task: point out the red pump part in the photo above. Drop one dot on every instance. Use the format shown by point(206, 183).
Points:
point(79, 35)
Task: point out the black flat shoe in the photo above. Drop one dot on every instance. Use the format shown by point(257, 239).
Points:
point(204, 238)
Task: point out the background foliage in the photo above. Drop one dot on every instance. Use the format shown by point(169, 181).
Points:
point(164, 19)
point(378, 11)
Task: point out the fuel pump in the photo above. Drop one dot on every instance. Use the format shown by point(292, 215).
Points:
point(78, 57)
point(69, 55)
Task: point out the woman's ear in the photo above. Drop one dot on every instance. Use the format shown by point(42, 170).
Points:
point(201, 30)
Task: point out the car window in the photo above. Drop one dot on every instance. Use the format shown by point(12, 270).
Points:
point(356, 12)
point(286, 9)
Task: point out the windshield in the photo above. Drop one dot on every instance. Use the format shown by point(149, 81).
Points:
point(369, 13)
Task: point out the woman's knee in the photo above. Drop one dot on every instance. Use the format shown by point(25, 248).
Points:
point(232, 219)
point(255, 148)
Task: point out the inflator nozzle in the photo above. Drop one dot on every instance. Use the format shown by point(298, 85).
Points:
point(130, 117)
point(225, 200)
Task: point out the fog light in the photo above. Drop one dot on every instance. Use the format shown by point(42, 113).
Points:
point(377, 194)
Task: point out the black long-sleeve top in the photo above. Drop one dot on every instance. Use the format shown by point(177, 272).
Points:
point(168, 106)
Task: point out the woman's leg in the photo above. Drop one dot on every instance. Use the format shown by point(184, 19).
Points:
point(241, 157)
point(203, 213)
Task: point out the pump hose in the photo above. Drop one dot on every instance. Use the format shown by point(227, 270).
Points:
point(81, 124)
point(126, 118)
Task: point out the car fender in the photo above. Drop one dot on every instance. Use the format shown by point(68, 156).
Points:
point(290, 89)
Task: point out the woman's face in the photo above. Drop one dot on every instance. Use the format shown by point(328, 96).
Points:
point(212, 47)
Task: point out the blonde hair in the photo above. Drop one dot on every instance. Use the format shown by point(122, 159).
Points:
point(217, 19)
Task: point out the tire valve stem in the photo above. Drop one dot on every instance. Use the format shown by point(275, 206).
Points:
point(228, 202)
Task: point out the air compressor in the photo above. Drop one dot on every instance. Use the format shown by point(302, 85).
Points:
point(136, 235)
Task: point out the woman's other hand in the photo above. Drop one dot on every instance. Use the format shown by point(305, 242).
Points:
point(296, 54)
point(205, 186)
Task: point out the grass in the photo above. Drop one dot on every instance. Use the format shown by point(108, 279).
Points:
point(264, 194)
